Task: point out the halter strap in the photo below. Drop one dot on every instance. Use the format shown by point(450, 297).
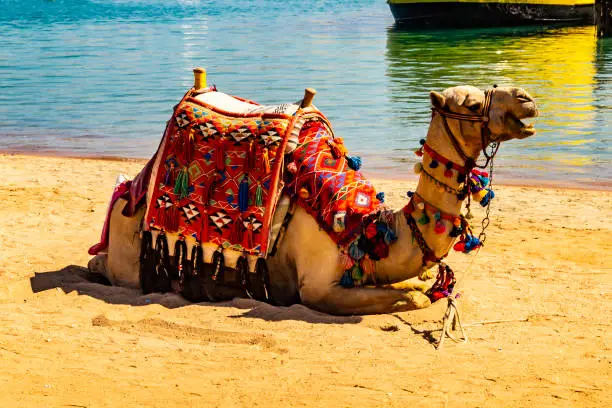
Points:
point(469, 162)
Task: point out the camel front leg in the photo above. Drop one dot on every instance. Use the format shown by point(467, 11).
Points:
point(362, 300)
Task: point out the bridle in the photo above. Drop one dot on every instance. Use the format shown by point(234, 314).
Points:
point(486, 141)
point(485, 132)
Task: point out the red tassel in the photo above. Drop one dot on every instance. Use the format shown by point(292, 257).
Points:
point(237, 230)
point(220, 156)
point(248, 239)
point(209, 192)
point(448, 173)
point(172, 222)
point(161, 216)
point(204, 232)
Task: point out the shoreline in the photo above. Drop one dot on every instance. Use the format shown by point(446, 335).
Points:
point(375, 175)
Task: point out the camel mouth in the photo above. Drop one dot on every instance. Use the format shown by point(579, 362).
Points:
point(527, 128)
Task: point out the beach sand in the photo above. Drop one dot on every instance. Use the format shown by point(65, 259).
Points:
point(541, 285)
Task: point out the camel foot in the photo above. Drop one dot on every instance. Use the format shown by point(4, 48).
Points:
point(98, 264)
point(412, 300)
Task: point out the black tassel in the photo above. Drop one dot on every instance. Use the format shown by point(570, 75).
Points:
point(147, 263)
point(180, 259)
point(218, 263)
point(242, 268)
point(197, 259)
point(192, 289)
point(261, 281)
point(162, 264)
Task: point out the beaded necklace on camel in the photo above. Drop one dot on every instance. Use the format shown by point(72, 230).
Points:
point(473, 183)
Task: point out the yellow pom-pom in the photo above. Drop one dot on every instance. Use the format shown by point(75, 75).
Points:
point(479, 195)
point(421, 206)
point(418, 167)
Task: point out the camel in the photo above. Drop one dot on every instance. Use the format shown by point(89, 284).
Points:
point(305, 267)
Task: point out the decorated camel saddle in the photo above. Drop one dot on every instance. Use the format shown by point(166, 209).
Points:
point(213, 189)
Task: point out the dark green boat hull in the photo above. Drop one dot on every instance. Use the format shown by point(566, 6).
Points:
point(456, 15)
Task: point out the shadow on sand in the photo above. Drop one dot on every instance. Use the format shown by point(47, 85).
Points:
point(77, 278)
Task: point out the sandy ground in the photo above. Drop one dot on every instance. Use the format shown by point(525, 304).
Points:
point(541, 286)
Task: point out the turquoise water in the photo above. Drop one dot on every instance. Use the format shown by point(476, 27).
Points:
point(100, 77)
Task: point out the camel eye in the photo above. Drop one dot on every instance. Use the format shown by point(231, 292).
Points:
point(474, 106)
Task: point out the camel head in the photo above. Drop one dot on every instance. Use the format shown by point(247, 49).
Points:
point(508, 106)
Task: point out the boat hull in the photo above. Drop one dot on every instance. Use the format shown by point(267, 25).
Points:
point(475, 14)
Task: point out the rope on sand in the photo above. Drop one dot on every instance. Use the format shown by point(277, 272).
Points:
point(449, 324)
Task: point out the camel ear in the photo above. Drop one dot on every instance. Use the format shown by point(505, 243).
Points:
point(437, 99)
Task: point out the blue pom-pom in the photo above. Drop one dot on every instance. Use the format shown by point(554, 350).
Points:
point(347, 280)
point(487, 198)
point(354, 162)
point(410, 194)
point(433, 164)
point(471, 243)
point(381, 196)
point(355, 252)
point(422, 142)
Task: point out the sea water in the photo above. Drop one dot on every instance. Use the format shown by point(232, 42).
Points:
point(100, 77)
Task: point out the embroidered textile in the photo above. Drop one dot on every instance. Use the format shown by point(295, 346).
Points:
point(324, 185)
point(217, 176)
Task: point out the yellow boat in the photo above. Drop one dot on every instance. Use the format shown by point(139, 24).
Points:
point(491, 13)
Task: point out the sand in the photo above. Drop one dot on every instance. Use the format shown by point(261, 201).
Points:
point(541, 286)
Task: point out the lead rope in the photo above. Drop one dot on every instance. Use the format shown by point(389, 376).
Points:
point(449, 323)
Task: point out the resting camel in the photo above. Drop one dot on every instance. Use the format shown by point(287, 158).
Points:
point(305, 268)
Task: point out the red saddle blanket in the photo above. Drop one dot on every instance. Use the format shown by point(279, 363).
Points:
point(217, 175)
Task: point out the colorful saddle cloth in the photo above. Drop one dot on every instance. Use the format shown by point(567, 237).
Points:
point(320, 178)
point(218, 174)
